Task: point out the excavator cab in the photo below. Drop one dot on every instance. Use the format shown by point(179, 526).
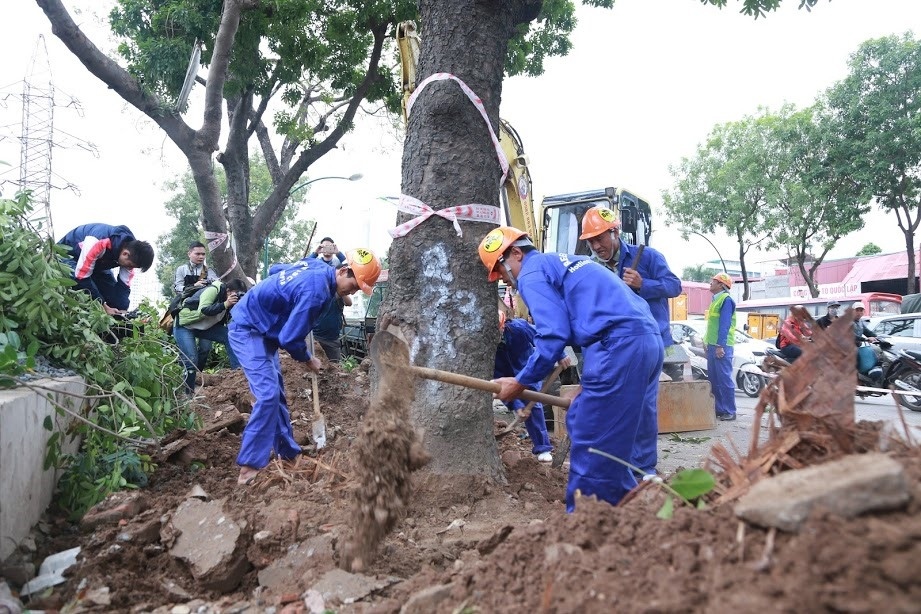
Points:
point(561, 223)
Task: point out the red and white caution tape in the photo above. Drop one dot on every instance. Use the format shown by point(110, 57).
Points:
point(471, 212)
point(215, 240)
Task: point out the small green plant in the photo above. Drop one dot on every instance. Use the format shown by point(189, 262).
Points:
point(686, 486)
point(131, 385)
point(349, 364)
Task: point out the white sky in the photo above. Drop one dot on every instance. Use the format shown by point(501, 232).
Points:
point(644, 84)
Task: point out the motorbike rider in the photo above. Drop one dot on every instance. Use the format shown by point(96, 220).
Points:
point(793, 333)
point(867, 357)
point(831, 315)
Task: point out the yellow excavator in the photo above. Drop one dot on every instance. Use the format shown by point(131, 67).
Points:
point(683, 405)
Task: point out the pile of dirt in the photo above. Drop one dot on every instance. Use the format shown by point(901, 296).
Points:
point(463, 542)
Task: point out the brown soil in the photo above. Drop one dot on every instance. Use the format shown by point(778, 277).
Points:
point(499, 547)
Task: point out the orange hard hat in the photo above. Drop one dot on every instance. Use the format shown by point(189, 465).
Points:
point(501, 319)
point(724, 279)
point(494, 245)
point(365, 266)
point(598, 220)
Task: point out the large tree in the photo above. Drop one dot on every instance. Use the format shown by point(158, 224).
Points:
point(724, 186)
point(811, 203)
point(877, 113)
point(439, 292)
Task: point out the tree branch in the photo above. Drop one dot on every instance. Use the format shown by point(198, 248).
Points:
point(113, 75)
point(268, 213)
point(217, 73)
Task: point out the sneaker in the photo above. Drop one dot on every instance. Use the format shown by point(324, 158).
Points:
point(875, 373)
point(725, 417)
point(545, 457)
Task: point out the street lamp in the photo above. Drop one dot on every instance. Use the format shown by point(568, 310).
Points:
point(723, 262)
point(300, 186)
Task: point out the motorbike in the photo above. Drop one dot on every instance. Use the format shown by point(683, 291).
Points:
point(898, 370)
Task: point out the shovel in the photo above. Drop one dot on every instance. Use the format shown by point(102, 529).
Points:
point(318, 428)
point(391, 356)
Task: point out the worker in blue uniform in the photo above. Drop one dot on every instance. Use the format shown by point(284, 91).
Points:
point(575, 301)
point(279, 312)
point(516, 344)
point(720, 338)
point(654, 282)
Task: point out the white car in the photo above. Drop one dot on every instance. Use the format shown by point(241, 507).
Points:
point(746, 358)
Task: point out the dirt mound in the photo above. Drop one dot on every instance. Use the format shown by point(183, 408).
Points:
point(606, 559)
point(466, 542)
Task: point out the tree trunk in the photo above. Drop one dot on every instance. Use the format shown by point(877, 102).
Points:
point(910, 249)
point(746, 291)
point(438, 294)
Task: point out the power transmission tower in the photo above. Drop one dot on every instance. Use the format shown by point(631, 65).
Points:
point(38, 138)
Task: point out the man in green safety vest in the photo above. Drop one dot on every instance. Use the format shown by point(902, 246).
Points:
point(720, 337)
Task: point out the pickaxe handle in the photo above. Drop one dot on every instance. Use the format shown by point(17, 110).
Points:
point(481, 384)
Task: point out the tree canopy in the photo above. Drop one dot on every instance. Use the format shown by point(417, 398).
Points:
point(876, 112)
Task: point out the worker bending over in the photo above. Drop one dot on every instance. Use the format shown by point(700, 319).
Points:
point(279, 312)
point(575, 301)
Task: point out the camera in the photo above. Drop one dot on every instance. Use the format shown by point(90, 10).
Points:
point(329, 250)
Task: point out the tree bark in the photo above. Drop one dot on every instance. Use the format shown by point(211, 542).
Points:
point(439, 295)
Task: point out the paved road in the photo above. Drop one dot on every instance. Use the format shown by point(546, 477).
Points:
point(685, 450)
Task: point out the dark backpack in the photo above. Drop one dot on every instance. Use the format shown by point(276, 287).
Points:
point(192, 301)
point(178, 302)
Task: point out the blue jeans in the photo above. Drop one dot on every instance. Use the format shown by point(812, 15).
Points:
point(194, 347)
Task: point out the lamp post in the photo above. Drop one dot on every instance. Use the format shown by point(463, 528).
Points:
point(300, 186)
point(723, 262)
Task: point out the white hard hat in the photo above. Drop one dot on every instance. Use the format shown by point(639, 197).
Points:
point(857, 305)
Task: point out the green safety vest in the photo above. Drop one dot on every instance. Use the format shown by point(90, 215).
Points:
point(713, 321)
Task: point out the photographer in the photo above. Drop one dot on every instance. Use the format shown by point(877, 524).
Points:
point(203, 320)
point(328, 252)
point(194, 272)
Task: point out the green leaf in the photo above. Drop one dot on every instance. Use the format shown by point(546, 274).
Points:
point(693, 483)
point(667, 510)
point(47, 424)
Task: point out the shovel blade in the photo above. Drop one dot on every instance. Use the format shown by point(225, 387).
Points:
point(319, 432)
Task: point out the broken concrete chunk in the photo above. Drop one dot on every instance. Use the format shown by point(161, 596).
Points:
point(429, 599)
point(847, 487)
point(314, 553)
point(207, 541)
point(341, 586)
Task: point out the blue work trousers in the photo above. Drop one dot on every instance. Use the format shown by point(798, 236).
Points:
point(269, 426)
point(195, 346)
point(719, 372)
point(536, 426)
point(620, 383)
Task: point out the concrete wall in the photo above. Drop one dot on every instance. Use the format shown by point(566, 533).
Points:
point(25, 488)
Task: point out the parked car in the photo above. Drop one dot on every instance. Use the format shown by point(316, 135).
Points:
point(902, 331)
point(746, 351)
